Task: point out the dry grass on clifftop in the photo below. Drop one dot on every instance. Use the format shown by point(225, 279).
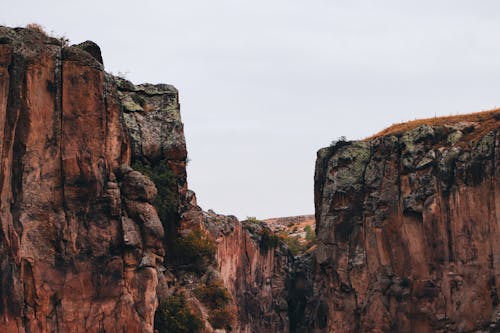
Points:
point(488, 120)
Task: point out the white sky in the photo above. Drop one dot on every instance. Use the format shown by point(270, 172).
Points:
point(265, 83)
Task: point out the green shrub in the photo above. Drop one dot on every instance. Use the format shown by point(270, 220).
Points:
point(294, 245)
point(194, 252)
point(268, 240)
point(222, 318)
point(310, 234)
point(174, 316)
point(167, 199)
point(252, 219)
point(214, 295)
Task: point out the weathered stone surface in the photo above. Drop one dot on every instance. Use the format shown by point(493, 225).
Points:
point(92, 48)
point(82, 244)
point(407, 223)
point(63, 264)
point(136, 186)
point(144, 214)
point(408, 230)
point(152, 116)
point(131, 233)
point(256, 275)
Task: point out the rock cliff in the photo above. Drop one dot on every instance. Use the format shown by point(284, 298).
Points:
point(408, 224)
point(254, 264)
point(99, 232)
point(80, 240)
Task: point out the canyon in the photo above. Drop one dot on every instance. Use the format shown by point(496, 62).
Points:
point(100, 232)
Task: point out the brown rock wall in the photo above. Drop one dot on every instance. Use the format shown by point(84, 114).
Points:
point(256, 275)
point(64, 263)
point(407, 233)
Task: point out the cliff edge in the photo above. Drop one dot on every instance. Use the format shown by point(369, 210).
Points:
point(100, 233)
point(408, 223)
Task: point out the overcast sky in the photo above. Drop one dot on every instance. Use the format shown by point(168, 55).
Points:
point(265, 83)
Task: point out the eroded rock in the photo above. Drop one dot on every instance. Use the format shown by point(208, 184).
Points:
point(64, 267)
point(410, 245)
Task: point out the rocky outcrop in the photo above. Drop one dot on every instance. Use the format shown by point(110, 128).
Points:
point(95, 214)
point(153, 120)
point(254, 265)
point(81, 244)
point(408, 225)
point(255, 275)
point(86, 240)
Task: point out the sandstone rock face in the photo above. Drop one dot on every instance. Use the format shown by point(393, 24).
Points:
point(407, 222)
point(253, 268)
point(256, 279)
point(76, 254)
point(83, 247)
point(256, 272)
point(408, 227)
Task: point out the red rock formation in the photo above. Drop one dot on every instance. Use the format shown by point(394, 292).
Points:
point(66, 264)
point(82, 244)
point(255, 268)
point(407, 221)
point(408, 226)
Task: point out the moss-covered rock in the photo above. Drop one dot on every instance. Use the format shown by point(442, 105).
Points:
point(348, 165)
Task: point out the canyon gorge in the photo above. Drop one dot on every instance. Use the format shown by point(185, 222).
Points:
point(100, 232)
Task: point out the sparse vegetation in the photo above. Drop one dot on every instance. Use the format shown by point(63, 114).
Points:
point(295, 231)
point(252, 219)
point(216, 297)
point(213, 294)
point(341, 138)
point(64, 41)
point(298, 245)
point(174, 316)
point(166, 201)
point(268, 240)
point(36, 27)
point(222, 318)
point(310, 234)
point(294, 245)
point(194, 252)
point(135, 97)
point(40, 29)
point(489, 121)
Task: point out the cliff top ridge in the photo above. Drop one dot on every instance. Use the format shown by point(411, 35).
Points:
point(482, 122)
